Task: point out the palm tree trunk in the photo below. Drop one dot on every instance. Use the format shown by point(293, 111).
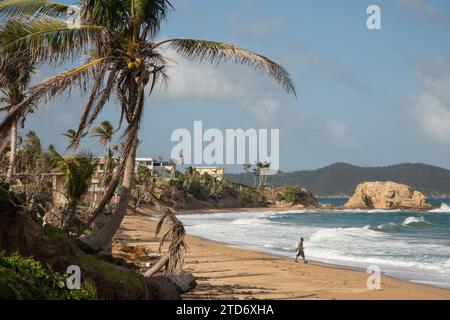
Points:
point(68, 216)
point(12, 156)
point(100, 239)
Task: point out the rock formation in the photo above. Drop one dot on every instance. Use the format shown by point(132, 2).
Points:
point(386, 195)
point(291, 196)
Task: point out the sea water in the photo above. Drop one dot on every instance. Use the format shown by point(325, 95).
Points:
point(410, 245)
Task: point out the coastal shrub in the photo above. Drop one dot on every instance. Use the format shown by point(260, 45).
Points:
point(26, 278)
point(196, 189)
point(290, 194)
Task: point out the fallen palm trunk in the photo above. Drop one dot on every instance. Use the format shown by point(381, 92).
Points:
point(185, 282)
point(158, 266)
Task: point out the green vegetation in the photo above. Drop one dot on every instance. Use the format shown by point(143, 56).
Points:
point(26, 278)
point(78, 171)
point(341, 179)
point(290, 194)
point(190, 190)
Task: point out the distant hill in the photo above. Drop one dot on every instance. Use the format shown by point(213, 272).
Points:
point(340, 179)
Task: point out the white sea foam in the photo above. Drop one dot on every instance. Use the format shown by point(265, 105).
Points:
point(444, 209)
point(416, 222)
point(367, 211)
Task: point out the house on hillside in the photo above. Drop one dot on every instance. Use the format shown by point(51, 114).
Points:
point(215, 172)
point(159, 169)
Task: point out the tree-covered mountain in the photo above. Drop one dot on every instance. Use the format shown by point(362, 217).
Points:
point(340, 179)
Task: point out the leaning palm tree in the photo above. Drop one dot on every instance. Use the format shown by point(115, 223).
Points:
point(14, 80)
point(118, 38)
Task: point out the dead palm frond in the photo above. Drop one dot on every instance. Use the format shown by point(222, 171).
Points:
point(177, 245)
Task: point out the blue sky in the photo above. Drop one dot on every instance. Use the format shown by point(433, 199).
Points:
point(370, 98)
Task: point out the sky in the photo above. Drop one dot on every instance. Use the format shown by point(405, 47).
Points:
point(366, 97)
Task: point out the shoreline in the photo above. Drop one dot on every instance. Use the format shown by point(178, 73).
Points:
point(226, 271)
point(286, 209)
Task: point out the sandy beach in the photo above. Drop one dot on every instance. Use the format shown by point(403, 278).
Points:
point(225, 272)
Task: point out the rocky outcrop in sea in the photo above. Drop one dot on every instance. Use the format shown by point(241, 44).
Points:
point(387, 196)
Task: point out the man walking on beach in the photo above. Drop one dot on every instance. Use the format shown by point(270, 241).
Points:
point(301, 251)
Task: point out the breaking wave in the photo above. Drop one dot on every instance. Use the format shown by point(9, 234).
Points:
point(444, 208)
point(408, 224)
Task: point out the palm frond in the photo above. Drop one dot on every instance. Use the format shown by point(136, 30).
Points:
point(78, 170)
point(47, 39)
point(11, 8)
point(111, 14)
point(15, 75)
point(217, 52)
point(98, 80)
point(50, 88)
point(152, 13)
point(69, 134)
point(105, 95)
point(104, 132)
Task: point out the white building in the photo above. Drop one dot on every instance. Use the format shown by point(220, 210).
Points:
point(160, 169)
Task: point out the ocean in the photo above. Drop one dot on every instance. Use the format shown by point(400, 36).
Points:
point(413, 246)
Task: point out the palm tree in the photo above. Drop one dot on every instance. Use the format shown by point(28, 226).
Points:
point(14, 79)
point(105, 132)
point(73, 141)
point(77, 170)
point(119, 40)
point(262, 168)
point(247, 168)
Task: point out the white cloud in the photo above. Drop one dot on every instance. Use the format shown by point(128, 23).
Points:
point(434, 117)
point(264, 110)
point(193, 81)
point(199, 82)
point(239, 86)
point(431, 107)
